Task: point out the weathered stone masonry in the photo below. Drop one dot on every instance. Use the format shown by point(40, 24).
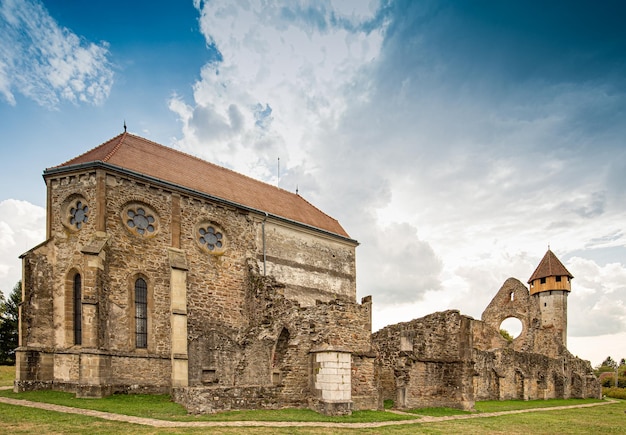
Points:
point(447, 359)
point(163, 273)
point(237, 299)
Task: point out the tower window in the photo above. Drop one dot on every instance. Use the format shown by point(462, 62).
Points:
point(558, 279)
point(78, 310)
point(512, 296)
point(141, 314)
point(542, 281)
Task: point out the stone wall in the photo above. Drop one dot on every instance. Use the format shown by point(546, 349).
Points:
point(311, 267)
point(446, 359)
point(427, 361)
point(206, 400)
point(114, 228)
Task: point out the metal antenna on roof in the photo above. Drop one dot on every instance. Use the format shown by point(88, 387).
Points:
point(296, 189)
point(278, 178)
point(124, 126)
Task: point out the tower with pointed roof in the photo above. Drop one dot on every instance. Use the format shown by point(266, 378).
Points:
point(550, 284)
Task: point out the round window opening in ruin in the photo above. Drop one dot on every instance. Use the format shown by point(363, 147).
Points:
point(511, 327)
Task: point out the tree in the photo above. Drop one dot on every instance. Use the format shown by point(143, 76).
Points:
point(608, 362)
point(9, 325)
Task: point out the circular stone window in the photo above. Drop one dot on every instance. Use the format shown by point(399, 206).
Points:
point(511, 328)
point(210, 238)
point(140, 220)
point(75, 213)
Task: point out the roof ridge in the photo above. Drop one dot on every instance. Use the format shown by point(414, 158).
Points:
point(316, 208)
point(115, 148)
point(164, 162)
point(86, 152)
point(223, 168)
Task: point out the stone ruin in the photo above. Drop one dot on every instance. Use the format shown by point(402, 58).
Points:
point(229, 293)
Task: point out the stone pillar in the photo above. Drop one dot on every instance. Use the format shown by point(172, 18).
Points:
point(94, 367)
point(178, 318)
point(331, 381)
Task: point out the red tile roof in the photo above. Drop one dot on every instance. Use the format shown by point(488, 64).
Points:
point(134, 153)
point(549, 266)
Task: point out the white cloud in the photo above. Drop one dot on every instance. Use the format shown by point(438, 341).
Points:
point(597, 305)
point(596, 349)
point(46, 62)
point(22, 226)
point(454, 169)
point(291, 57)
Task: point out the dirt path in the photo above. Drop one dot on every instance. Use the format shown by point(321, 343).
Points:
point(165, 423)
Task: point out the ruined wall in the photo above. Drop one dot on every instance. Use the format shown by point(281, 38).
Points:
point(514, 300)
point(505, 374)
point(427, 361)
point(273, 354)
point(446, 359)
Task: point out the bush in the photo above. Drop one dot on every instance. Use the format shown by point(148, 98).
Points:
point(616, 393)
point(608, 380)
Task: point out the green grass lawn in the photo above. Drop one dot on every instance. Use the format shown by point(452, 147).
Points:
point(604, 419)
point(7, 376)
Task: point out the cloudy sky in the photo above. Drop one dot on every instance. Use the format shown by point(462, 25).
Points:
point(455, 140)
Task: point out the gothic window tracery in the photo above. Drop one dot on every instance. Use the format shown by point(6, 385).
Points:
point(79, 214)
point(210, 238)
point(75, 212)
point(140, 219)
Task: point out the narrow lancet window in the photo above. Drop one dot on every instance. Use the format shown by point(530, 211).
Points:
point(141, 314)
point(78, 310)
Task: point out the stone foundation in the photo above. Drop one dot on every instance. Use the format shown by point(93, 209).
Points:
point(207, 400)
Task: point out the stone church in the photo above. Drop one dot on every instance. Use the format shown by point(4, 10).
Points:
point(163, 273)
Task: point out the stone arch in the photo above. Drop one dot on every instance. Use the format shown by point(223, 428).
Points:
point(512, 300)
point(71, 305)
point(131, 281)
point(511, 330)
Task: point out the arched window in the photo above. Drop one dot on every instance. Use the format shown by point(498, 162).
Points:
point(78, 310)
point(141, 314)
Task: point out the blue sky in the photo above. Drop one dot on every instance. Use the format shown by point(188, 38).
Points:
point(454, 140)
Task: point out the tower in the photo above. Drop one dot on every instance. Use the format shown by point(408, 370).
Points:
point(550, 284)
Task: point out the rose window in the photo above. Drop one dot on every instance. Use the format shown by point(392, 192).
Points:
point(210, 238)
point(78, 214)
point(140, 221)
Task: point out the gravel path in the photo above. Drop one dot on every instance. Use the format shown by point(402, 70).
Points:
point(165, 423)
